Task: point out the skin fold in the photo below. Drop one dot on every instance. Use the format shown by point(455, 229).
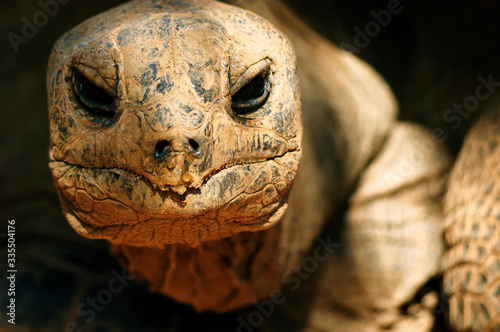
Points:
point(219, 209)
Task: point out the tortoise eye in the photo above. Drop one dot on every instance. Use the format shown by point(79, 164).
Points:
point(92, 98)
point(253, 95)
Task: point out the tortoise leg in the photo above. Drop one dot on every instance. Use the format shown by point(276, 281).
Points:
point(472, 228)
point(392, 241)
point(390, 245)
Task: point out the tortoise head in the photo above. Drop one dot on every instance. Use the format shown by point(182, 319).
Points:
point(173, 122)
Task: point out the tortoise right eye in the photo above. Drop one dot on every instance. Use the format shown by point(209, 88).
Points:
point(92, 98)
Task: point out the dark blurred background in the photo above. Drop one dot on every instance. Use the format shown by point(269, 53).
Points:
point(431, 54)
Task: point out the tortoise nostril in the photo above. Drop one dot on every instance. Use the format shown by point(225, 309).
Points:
point(162, 149)
point(195, 147)
point(165, 148)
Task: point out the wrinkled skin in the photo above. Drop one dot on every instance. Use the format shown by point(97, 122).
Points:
point(172, 68)
point(181, 221)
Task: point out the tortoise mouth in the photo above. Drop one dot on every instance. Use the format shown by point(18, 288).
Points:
point(128, 181)
point(126, 208)
point(176, 193)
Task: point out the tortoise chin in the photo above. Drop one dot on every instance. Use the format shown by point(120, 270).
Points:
point(126, 208)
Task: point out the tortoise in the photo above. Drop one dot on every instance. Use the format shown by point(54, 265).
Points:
point(353, 146)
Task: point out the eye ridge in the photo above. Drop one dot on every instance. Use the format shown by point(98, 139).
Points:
point(92, 98)
point(253, 95)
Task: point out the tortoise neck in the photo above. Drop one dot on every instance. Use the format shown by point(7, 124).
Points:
point(217, 275)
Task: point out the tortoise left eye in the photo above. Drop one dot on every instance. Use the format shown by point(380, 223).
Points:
point(253, 95)
point(92, 98)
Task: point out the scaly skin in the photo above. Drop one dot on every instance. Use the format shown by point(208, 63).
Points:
point(472, 259)
point(173, 67)
point(201, 224)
